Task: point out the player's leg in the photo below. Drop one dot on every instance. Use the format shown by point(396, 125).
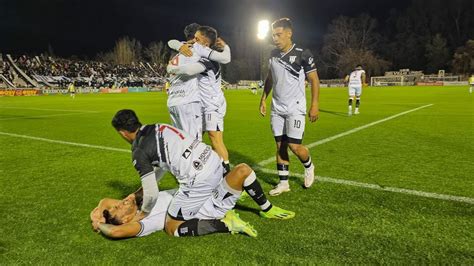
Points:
point(242, 177)
point(190, 116)
point(175, 117)
point(194, 227)
point(282, 156)
point(214, 126)
point(295, 129)
point(358, 93)
point(351, 99)
point(470, 88)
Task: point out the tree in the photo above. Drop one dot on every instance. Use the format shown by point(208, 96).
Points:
point(437, 54)
point(352, 41)
point(157, 53)
point(463, 59)
point(127, 51)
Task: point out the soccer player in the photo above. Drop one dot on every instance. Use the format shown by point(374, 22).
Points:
point(116, 218)
point(72, 90)
point(355, 80)
point(184, 102)
point(289, 66)
point(212, 97)
point(471, 83)
point(202, 193)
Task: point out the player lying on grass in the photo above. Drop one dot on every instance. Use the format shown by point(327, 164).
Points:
point(203, 193)
point(116, 218)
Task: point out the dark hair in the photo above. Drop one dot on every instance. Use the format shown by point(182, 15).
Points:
point(282, 22)
point(139, 199)
point(210, 33)
point(190, 30)
point(126, 120)
point(109, 219)
point(359, 65)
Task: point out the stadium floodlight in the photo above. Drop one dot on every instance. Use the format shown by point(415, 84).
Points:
point(263, 28)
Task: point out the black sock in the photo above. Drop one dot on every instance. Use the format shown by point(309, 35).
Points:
point(307, 163)
point(357, 103)
point(196, 227)
point(254, 189)
point(350, 102)
point(283, 171)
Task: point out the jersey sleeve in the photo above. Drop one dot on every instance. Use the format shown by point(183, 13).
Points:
point(208, 65)
point(202, 50)
point(308, 61)
point(141, 162)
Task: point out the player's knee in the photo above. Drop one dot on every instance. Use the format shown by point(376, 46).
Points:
point(243, 170)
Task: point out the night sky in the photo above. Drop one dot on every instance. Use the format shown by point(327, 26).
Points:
point(86, 27)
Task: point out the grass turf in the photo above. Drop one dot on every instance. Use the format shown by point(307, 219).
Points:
point(47, 190)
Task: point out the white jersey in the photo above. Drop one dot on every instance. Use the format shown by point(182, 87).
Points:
point(183, 89)
point(212, 97)
point(289, 73)
point(173, 150)
point(155, 220)
point(355, 78)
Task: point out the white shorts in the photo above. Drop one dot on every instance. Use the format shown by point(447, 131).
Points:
point(221, 202)
point(190, 198)
point(355, 91)
point(214, 120)
point(188, 117)
point(288, 127)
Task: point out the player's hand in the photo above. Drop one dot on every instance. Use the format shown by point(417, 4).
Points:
point(96, 218)
point(313, 113)
point(185, 49)
point(220, 44)
point(263, 108)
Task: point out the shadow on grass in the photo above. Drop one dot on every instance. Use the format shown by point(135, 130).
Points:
point(124, 188)
point(333, 112)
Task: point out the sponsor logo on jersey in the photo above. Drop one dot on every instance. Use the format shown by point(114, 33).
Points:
point(310, 61)
point(186, 154)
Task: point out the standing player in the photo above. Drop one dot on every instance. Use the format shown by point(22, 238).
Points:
point(471, 83)
point(72, 90)
point(355, 80)
point(202, 193)
point(184, 102)
point(290, 65)
point(212, 97)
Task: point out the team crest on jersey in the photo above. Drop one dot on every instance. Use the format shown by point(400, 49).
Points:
point(292, 59)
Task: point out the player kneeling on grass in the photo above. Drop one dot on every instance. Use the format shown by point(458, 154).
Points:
point(202, 193)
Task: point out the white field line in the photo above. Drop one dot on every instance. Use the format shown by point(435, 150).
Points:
point(319, 178)
point(378, 187)
point(45, 109)
point(40, 116)
point(65, 142)
point(319, 142)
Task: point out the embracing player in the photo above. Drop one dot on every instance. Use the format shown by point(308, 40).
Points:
point(290, 65)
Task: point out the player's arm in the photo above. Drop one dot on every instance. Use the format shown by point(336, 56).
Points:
point(314, 109)
point(346, 79)
point(184, 48)
point(96, 214)
point(120, 231)
point(148, 179)
point(364, 80)
point(188, 69)
point(266, 91)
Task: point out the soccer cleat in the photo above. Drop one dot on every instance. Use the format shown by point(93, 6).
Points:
point(277, 213)
point(280, 188)
point(356, 111)
point(237, 225)
point(309, 176)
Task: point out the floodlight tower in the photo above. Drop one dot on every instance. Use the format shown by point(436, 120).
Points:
point(263, 28)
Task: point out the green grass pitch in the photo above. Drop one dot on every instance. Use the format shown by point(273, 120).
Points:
point(48, 189)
